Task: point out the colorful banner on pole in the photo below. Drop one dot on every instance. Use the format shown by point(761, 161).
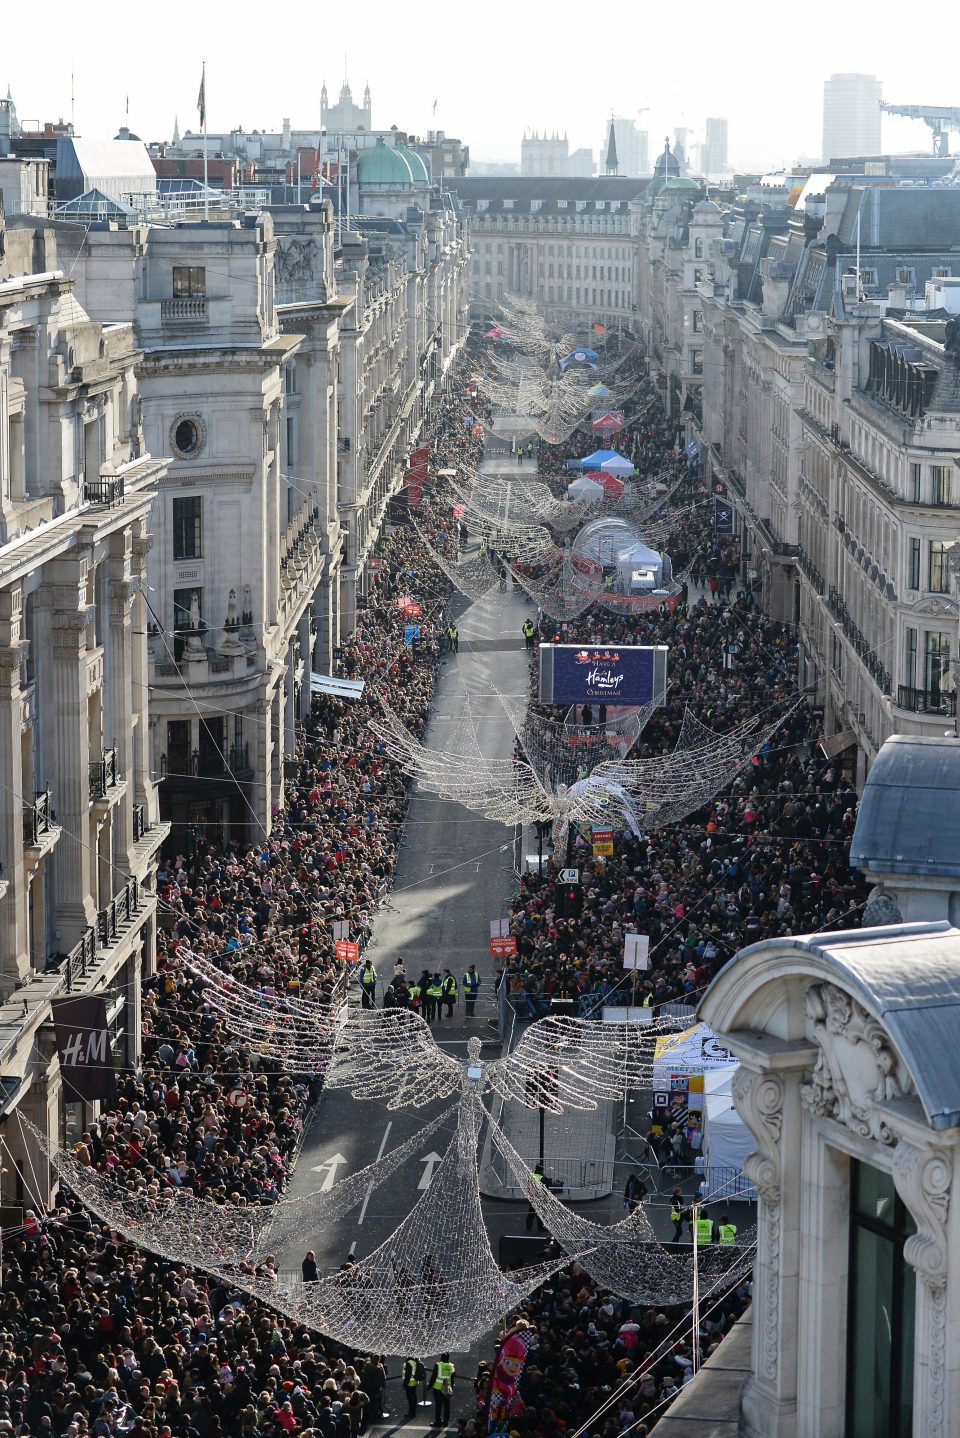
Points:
point(602, 843)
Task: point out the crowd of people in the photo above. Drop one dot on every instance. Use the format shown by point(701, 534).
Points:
point(99, 1339)
point(599, 1364)
point(768, 857)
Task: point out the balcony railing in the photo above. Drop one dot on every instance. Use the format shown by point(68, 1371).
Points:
point(213, 763)
point(810, 570)
point(926, 701)
point(103, 934)
point(139, 822)
point(104, 489)
point(189, 310)
point(858, 641)
point(120, 910)
point(37, 819)
point(79, 961)
point(103, 774)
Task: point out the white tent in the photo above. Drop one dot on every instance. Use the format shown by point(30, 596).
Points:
point(726, 1139)
point(584, 488)
point(619, 466)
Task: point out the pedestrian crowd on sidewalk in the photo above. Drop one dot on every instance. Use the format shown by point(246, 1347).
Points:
point(99, 1339)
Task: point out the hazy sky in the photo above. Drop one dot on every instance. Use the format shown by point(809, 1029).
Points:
point(493, 67)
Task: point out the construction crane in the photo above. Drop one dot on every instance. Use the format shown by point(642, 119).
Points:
point(941, 119)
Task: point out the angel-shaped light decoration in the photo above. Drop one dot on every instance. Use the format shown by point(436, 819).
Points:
point(654, 792)
point(434, 1283)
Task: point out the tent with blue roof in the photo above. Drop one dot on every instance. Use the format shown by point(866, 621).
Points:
point(598, 459)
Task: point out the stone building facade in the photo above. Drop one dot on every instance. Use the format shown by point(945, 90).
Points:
point(569, 244)
point(823, 402)
point(79, 829)
point(287, 367)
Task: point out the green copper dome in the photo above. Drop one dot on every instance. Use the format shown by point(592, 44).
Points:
point(384, 165)
point(417, 165)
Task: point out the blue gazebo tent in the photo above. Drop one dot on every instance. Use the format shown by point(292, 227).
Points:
point(599, 458)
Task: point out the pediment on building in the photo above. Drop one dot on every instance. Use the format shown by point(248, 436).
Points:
point(934, 607)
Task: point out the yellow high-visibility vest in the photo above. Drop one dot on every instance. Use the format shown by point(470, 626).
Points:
point(704, 1231)
point(727, 1233)
point(445, 1372)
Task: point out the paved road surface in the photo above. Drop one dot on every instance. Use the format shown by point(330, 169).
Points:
point(454, 872)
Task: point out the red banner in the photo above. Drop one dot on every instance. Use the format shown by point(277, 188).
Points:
point(503, 948)
point(416, 475)
point(407, 605)
point(348, 952)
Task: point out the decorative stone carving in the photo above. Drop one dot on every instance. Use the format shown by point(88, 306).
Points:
point(881, 909)
point(922, 1177)
point(934, 607)
point(857, 1068)
point(758, 1098)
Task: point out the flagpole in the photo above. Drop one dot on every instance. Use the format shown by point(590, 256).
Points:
point(206, 182)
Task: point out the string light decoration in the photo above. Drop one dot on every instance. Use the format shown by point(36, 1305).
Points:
point(298, 1031)
point(561, 753)
point(473, 575)
point(564, 586)
point(527, 328)
point(223, 1237)
point(553, 402)
point(492, 499)
point(434, 1283)
point(652, 792)
point(625, 1257)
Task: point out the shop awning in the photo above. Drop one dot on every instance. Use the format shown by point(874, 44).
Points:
point(333, 684)
point(837, 743)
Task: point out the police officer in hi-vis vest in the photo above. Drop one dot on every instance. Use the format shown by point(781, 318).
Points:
point(441, 1381)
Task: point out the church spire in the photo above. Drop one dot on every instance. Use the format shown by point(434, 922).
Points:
point(612, 164)
point(176, 130)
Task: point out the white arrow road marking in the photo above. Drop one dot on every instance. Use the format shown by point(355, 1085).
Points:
point(431, 1160)
point(366, 1198)
point(329, 1167)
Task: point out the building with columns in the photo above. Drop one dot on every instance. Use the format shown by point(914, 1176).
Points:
point(288, 364)
point(237, 551)
point(80, 826)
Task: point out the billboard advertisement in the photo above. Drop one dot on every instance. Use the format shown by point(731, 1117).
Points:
point(603, 673)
